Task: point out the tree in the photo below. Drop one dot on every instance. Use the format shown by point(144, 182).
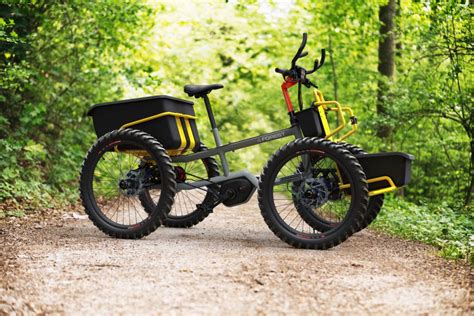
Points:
point(386, 63)
point(56, 59)
point(450, 46)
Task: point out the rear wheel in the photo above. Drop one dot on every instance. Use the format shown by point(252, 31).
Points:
point(375, 202)
point(312, 218)
point(191, 206)
point(284, 185)
point(119, 166)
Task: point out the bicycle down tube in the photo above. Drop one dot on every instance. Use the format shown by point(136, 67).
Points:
point(292, 131)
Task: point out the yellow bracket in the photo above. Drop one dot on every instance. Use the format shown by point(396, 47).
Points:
point(146, 119)
point(392, 186)
point(171, 152)
point(322, 106)
point(354, 126)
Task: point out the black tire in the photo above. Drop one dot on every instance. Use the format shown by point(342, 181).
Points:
point(375, 202)
point(348, 165)
point(93, 176)
point(176, 219)
point(373, 208)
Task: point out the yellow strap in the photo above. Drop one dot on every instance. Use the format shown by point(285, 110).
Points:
point(324, 120)
point(318, 97)
point(192, 142)
point(179, 150)
point(181, 134)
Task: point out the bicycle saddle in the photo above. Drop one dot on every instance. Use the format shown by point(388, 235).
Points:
point(197, 91)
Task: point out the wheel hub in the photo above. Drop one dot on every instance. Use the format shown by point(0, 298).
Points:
point(132, 184)
point(313, 192)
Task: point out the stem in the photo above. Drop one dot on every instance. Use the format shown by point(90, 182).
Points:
point(446, 152)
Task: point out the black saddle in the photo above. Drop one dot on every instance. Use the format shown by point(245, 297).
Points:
point(194, 90)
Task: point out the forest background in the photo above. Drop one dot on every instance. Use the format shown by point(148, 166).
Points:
point(405, 67)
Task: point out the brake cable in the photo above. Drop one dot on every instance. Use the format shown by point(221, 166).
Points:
point(300, 98)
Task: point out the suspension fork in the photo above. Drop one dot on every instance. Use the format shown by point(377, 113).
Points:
point(288, 83)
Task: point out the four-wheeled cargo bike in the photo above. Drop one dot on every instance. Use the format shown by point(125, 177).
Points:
point(149, 168)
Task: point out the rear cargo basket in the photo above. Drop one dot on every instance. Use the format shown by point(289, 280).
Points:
point(170, 120)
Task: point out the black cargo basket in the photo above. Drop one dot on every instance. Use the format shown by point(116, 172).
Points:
point(310, 122)
point(394, 165)
point(170, 120)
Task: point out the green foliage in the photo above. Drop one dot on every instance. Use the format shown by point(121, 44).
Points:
point(435, 224)
point(4, 214)
point(57, 59)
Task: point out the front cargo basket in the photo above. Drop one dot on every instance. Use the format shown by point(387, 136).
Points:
point(385, 172)
point(170, 120)
point(310, 122)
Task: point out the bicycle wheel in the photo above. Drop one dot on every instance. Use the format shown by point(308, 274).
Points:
point(116, 169)
point(311, 216)
point(375, 202)
point(318, 187)
point(191, 206)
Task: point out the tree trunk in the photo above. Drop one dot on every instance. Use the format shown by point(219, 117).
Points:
point(386, 63)
point(398, 42)
point(470, 187)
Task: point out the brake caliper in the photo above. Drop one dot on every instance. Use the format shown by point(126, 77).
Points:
point(180, 174)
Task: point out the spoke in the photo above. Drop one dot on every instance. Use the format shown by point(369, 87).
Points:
point(118, 206)
point(296, 216)
point(141, 218)
point(289, 212)
point(183, 197)
point(129, 219)
point(190, 200)
point(280, 205)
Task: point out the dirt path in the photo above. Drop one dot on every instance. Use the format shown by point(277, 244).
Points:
point(230, 263)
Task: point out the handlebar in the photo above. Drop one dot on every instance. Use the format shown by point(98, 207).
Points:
point(299, 54)
point(318, 63)
point(284, 72)
point(298, 72)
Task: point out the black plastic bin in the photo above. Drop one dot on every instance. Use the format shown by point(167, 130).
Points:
point(170, 120)
point(395, 165)
point(310, 122)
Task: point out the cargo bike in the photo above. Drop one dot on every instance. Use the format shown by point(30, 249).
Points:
point(148, 168)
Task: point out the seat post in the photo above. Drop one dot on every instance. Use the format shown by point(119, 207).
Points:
point(215, 132)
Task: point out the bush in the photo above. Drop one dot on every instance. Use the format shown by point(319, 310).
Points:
point(439, 225)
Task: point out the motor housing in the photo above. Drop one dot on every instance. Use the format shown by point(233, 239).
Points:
point(236, 191)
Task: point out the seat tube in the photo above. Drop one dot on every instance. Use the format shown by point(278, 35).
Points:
point(217, 138)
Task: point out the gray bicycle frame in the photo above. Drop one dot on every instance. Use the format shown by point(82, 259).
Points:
point(221, 150)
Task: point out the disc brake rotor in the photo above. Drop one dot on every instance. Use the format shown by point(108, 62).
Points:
point(132, 183)
point(312, 192)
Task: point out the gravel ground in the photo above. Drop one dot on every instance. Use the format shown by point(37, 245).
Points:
point(229, 264)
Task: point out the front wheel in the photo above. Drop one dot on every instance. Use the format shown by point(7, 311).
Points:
point(374, 206)
point(284, 184)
